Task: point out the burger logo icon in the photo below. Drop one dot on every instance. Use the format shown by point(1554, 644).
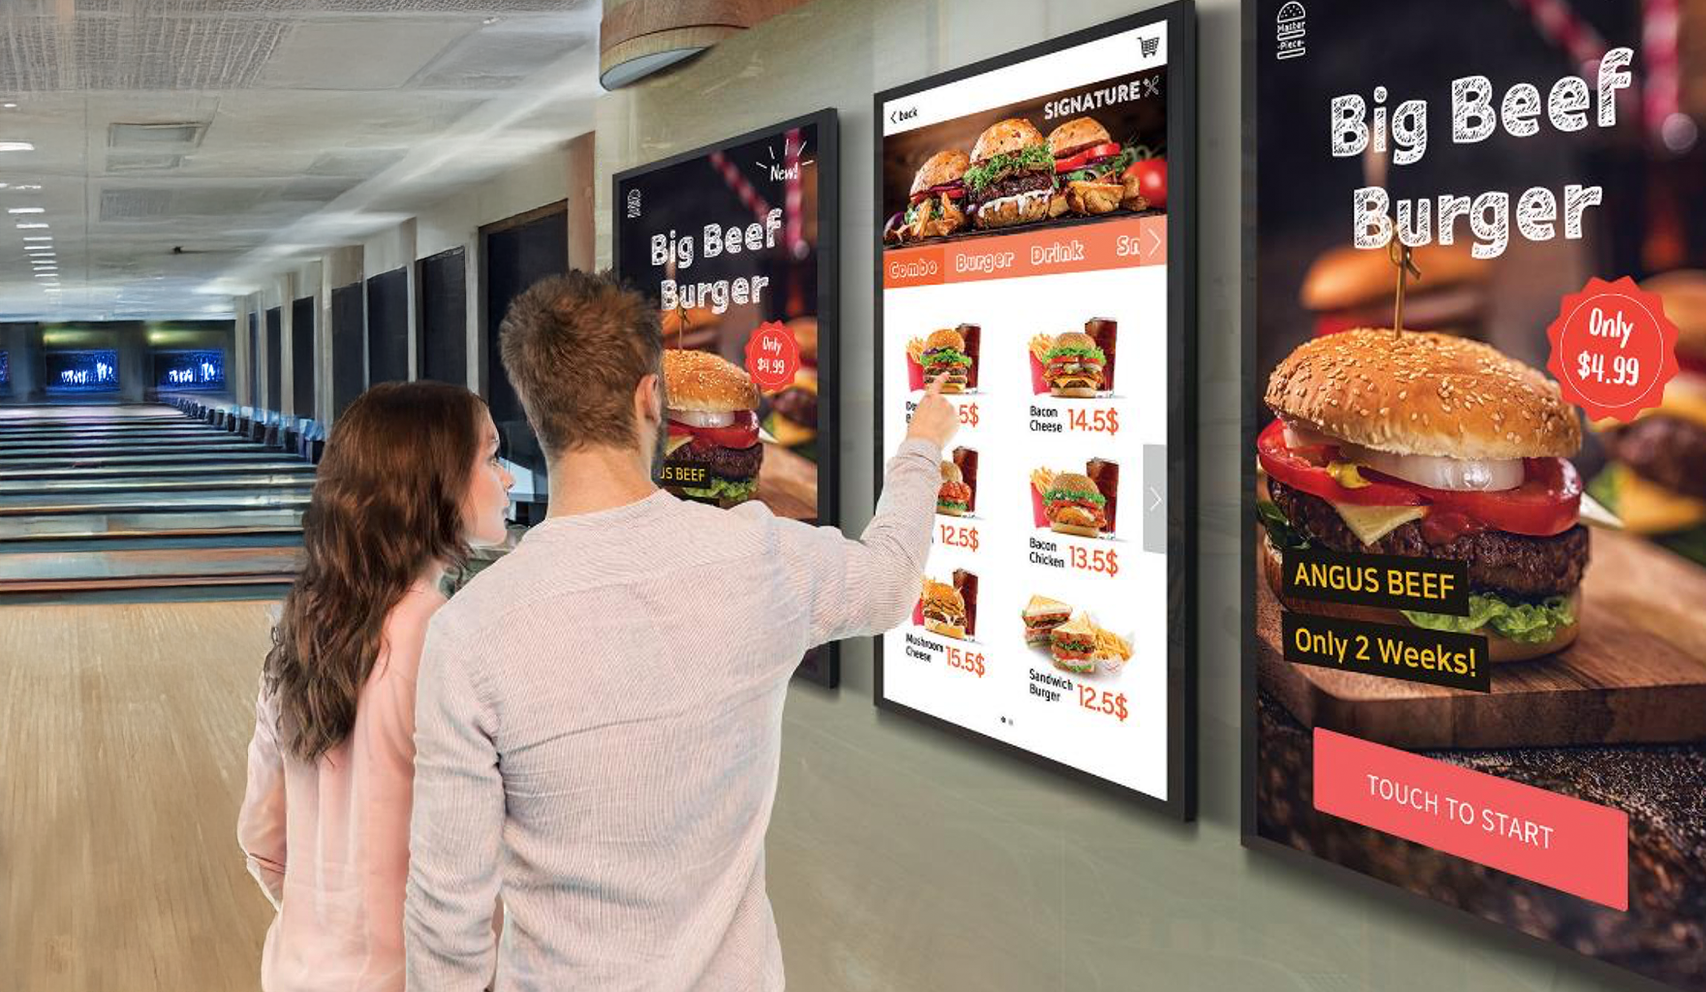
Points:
point(1289, 39)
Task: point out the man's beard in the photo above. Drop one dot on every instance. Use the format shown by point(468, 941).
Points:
point(658, 450)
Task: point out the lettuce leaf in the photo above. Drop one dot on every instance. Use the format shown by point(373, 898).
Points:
point(1116, 165)
point(1090, 497)
point(723, 489)
point(1280, 530)
point(1031, 157)
point(951, 504)
point(1076, 351)
point(1690, 543)
point(947, 356)
point(1529, 623)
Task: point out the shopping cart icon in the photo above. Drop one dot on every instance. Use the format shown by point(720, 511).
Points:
point(1149, 46)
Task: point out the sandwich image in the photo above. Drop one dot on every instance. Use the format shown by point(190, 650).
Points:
point(1087, 165)
point(945, 354)
point(1349, 287)
point(1073, 505)
point(1073, 365)
point(935, 207)
point(1072, 644)
point(955, 496)
point(944, 609)
point(1656, 482)
point(712, 454)
point(1011, 177)
point(793, 410)
point(1042, 615)
point(1430, 445)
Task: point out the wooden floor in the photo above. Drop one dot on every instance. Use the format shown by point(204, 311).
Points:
point(123, 737)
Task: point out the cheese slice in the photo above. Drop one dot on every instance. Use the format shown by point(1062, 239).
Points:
point(676, 442)
point(1649, 508)
point(789, 434)
point(1371, 523)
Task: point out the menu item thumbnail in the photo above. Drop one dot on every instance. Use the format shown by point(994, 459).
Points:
point(713, 454)
point(944, 609)
point(1073, 505)
point(1429, 445)
point(1042, 615)
point(1073, 366)
point(945, 354)
point(1072, 643)
point(1011, 179)
point(938, 191)
point(954, 498)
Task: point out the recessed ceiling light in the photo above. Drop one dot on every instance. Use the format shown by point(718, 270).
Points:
point(26, 210)
point(38, 237)
point(25, 186)
point(9, 106)
point(16, 146)
point(46, 275)
point(33, 226)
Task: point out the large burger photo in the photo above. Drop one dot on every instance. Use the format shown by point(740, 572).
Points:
point(713, 453)
point(1430, 445)
point(1073, 366)
point(1087, 165)
point(945, 355)
point(1011, 178)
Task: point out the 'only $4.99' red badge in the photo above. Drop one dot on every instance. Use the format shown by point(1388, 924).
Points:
point(772, 356)
point(1613, 349)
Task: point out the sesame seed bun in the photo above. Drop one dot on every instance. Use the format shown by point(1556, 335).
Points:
point(946, 166)
point(706, 383)
point(1076, 135)
point(1684, 294)
point(1423, 394)
point(1349, 277)
point(952, 473)
point(1010, 135)
point(1074, 482)
point(945, 338)
point(1075, 339)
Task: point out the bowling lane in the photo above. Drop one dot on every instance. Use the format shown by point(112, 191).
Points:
point(105, 526)
point(88, 449)
point(276, 464)
point(181, 483)
point(132, 501)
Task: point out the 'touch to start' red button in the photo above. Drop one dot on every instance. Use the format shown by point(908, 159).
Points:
point(1571, 845)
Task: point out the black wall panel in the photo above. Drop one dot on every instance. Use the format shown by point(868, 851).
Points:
point(516, 258)
point(274, 398)
point(444, 317)
point(349, 373)
point(302, 356)
point(388, 327)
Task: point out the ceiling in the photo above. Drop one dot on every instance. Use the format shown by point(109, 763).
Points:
point(250, 133)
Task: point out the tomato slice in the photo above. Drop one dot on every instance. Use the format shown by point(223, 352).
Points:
point(952, 191)
point(1548, 502)
point(1296, 469)
point(1107, 149)
point(743, 433)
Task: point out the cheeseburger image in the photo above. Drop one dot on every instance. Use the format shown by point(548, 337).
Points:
point(954, 496)
point(1073, 365)
point(1074, 505)
point(1657, 481)
point(944, 609)
point(1349, 287)
point(1087, 164)
point(713, 453)
point(1011, 178)
point(945, 354)
point(935, 207)
point(793, 411)
point(1430, 445)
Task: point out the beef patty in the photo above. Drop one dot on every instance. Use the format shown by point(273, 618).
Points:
point(1667, 450)
point(734, 464)
point(798, 405)
point(1012, 185)
point(1499, 561)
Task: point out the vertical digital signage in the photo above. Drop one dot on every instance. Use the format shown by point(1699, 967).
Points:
point(1035, 250)
point(1475, 494)
point(736, 244)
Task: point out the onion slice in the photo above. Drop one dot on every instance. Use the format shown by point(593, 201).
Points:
point(1432, 471)
point(702, 418)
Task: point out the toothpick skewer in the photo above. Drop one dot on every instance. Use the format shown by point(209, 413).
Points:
point(1399, 253)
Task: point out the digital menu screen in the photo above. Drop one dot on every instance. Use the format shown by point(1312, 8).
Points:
point(174, 370)
point(735, 242)
point(1033, 256)
point(1475, 416)
point(94, 371)
point(5, 369)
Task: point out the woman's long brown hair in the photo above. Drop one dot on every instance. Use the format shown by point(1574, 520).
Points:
point(387, 503)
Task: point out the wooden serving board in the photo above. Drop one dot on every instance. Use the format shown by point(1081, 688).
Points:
point(1636, 673)
point(787, 483)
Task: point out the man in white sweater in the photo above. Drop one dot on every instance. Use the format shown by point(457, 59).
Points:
point(599, 714)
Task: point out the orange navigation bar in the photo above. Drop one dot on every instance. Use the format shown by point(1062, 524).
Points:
point(1111, 244)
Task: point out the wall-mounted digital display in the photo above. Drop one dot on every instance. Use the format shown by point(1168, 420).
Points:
point(5, 369)
point(179, 370)
point(736, 244)
point(1475, 500)
point(1035, 250)
point(91, 371)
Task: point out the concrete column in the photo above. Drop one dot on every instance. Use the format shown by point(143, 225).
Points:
point(583, 205)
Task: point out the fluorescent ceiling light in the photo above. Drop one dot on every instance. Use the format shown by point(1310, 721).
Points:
point(33, 226)
point(46, 275)
point(16, 146)
point(38, 237)
point(9, 106)
point(26, 210)
point(25, 186)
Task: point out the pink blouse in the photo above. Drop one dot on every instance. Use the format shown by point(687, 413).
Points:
point(329, 841)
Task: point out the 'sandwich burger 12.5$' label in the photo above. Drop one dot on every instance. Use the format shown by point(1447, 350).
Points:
point(1613, 349)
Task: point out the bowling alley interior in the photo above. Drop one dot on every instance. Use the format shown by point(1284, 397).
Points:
point(225, 221)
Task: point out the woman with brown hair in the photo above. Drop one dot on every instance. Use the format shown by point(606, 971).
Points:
point(409, 481)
